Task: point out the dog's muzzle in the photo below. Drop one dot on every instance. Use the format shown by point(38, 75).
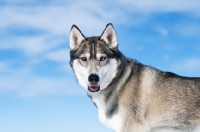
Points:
point(93, 79)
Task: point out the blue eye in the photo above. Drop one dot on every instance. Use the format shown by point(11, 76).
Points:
point(102, 58)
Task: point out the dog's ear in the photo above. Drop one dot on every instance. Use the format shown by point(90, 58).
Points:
point(109, 36)
point(76, 37)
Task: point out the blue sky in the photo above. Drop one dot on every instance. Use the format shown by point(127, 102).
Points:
point(38, 90)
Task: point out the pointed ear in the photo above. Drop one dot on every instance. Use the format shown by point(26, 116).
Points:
point(76, 37)
point(109, 36)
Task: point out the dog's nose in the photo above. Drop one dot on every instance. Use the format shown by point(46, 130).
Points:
point(93, 78)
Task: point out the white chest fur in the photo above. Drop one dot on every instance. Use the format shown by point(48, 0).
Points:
point(115, 121)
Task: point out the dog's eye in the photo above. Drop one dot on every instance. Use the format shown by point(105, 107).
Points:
point(83, 58)
point(102, 58)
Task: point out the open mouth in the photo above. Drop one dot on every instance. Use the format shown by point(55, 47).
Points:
point(93, 88)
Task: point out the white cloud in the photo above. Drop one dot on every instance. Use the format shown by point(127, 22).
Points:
point(162, 31)
point(4, 67)
point(188, 30)
point(55, 21)
point(155, 6)
point(170, 47)
point(61, 55)
point(166, 57)
point(50, 18)
point(191, 65)
point(52, 21)
point(40, 86)
point(23, 83)
point(17, 1)
point(44, 86)
point(33, 47)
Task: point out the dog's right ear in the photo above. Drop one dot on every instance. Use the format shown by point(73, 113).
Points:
point(109, 36)
point(76, 37)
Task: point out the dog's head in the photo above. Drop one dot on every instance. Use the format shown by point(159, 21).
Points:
point(94, 59)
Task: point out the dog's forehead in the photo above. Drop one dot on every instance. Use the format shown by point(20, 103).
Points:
point(96, 44)
point(92, 46)
point(99, 46)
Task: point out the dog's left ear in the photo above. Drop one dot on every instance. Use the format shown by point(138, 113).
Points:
point(76, 38)
point(109, 36)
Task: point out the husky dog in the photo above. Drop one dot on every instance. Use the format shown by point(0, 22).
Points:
point(132, 97)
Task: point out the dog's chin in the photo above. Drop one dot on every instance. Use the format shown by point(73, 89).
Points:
point(93, 88)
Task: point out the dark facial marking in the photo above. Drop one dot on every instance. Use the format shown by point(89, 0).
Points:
point(112, 110)
point(111, 97)
point(93, 56)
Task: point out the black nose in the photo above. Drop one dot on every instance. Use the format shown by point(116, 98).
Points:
point(93, 78)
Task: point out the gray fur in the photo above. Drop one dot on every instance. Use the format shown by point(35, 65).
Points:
point(147, 99)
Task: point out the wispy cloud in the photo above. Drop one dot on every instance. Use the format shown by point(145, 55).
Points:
point(162, 31)
point(153, 6)
point(188, 66)
point(187, 30)
point(25, 84)
point(61, 55)
point(52, 24)
point(39, 31)
point(4, 67)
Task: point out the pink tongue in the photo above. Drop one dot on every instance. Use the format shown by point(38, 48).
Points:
point(94, 88)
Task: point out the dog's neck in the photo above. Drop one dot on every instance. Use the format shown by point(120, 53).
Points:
point(107, 99)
